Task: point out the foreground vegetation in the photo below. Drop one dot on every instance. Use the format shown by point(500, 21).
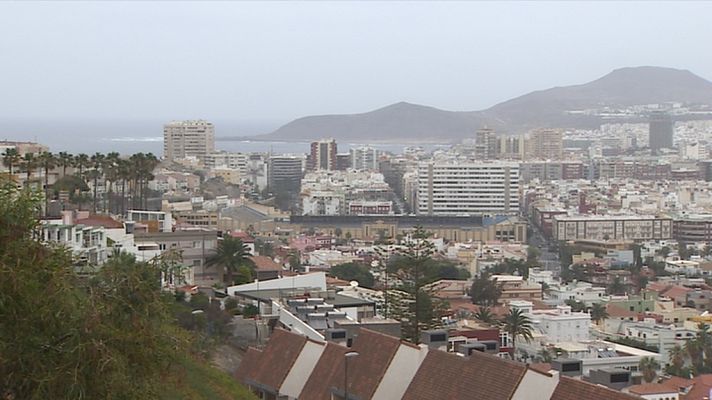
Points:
point(110, 336)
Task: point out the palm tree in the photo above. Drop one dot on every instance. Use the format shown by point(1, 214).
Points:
point(484, 314)
point(97, 161)
point(93, 174)
point(546, 355)
point(598, 313)
point(29, 165)
point(123, 172)
point(47, 161)
point(150, 162)
point(111, 174)
point(677, 360)
point(517, 324)
point(64, 160)
point(142, 166)
point(11, 158)
point(81, 161)
point(234, 256)
point(649, 367)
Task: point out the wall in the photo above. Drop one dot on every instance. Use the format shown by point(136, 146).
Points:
point(535, 385)
point(400, 372)
point(302, 369)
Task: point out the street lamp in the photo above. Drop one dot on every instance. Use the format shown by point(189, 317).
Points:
point(347, 355)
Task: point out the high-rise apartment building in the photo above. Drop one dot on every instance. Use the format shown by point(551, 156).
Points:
point(285, 173)
point(183, 139)
point(660, 131)
point(487, 145)
point(512, 147)
point(364, 158)
point(546, 144)
point(225, 159)
point(488, 188)
point(323, 155)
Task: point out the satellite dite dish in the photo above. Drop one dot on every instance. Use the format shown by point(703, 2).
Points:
point(353, 284)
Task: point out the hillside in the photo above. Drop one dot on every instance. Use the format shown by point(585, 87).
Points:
point(193, 379)
point(545, 108)
point(416, 122)
point(622, 87)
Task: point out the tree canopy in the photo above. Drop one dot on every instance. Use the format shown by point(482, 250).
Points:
point(63, 336)
point(354, 272)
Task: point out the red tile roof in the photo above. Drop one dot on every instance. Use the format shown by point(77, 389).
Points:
point(252, 357)
point(701, 387)
point(244, 236)
point(652, 388)
point(316, 386)
point(448, 376)
point(376, 350)
point(101, 220)
point(276, 359)
point(574, 389)
point(264, 263)
point(676, 291)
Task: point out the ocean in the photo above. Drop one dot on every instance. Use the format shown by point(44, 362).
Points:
point(129, 137)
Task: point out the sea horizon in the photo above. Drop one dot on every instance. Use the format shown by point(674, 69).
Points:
point(133, 136)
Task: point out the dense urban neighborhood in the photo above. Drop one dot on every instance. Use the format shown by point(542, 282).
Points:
point(556, 264)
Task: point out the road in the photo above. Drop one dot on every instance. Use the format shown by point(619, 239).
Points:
point(549, 259)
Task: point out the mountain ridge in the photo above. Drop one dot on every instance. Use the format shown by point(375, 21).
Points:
point(403, 121)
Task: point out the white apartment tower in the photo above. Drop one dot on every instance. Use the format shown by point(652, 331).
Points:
point(183, 139)
point(364, 158)
point(487, 188)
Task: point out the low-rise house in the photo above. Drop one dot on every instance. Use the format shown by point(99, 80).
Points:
point(195, 247)
point(384, 368)
point(266, 268)
point(655, 391)
point(516, 288)
point(559, 324)
point(583, 292)
point(449, 288)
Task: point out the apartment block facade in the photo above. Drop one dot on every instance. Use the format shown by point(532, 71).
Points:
point(486, 188)
point(183, 139)
point(600, 227)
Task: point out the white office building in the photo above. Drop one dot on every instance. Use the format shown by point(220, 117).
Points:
point(183, 139)
point(559, 324)
point(487, 188)
point(226, 159)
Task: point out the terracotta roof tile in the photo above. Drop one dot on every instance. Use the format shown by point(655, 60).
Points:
point(376, 350)
point(652, 388)
point(574, 389)
point(317, 386)
point(676, 291)
point(276, 359)
point(448, 376)
point(250, 359)
point(264, 263)
point(701, 388)
point(101, 220)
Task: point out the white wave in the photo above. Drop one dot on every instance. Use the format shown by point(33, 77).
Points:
point(136, 139)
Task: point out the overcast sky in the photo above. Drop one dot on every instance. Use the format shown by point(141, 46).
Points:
point(278, 61)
